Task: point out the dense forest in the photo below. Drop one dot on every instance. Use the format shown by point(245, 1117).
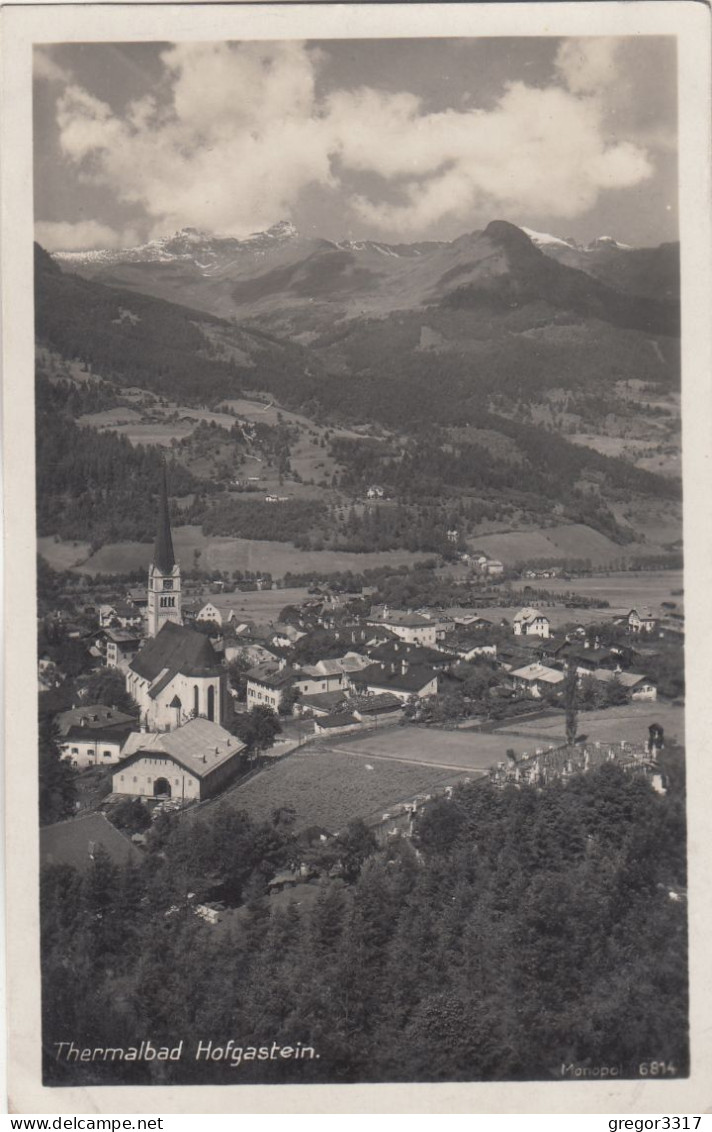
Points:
point(531, 929)
point(94, 486)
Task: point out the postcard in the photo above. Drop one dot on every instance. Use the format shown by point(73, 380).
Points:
point(357, 446)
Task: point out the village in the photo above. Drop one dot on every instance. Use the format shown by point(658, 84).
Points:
point(216, 706)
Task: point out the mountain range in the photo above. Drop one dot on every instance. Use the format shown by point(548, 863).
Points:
point(299, 285)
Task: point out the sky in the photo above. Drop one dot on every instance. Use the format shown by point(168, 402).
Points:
point(395, 140)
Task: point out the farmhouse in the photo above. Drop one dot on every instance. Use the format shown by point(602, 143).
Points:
point(531, 623)
point(209, 613)
point(192, 763)
point(266, 684)
point(175, 676)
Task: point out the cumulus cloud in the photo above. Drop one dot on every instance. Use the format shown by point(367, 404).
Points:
point(241, 133)
point(81, 236)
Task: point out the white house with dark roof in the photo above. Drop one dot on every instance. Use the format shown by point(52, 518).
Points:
point(410, 627)
point(530, 622)
point(536, 678)
point(193, 762)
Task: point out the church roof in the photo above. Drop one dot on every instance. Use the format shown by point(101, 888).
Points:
point(163, 556)
point(175, 649)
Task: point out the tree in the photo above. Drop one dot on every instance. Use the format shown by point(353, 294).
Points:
point(257, 728)
point(107, 686)
point(571, 704)
point(57, 779)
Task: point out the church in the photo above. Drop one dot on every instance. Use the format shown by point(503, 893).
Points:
point(177, 675)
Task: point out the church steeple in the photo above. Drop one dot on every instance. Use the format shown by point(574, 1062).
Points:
point(163, 556)
point(164, 596)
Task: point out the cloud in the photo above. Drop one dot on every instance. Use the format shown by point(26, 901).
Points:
point(44, 67)
point(588, 65)
point(236, 133)
point(81, 236)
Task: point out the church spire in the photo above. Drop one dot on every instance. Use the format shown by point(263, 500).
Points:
point(163, 556)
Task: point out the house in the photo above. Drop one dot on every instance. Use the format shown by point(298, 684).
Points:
point(493, 567)
point(337, 724)
point(75, 842)
point(530, 622)
point(377, 707)
point(138, 596)
point(403, 681)
point(120, 613)
point(266, 684)
point(192, 763)
point(410, 627)
point(118, 647)
point(82, 747)
point(467, 646)
point(536, 678)
point(641, 622)
point(209, 613)
point(177, 675)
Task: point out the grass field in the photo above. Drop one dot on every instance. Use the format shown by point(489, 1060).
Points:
point(329, 788)
point(563, 541)
point(262, 606)
point(465, 750)
point(624, 591)
point(629, 723)
point(62, 555)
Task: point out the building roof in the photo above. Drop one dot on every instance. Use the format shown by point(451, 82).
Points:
point(338, 719)
point(73, 842)
point(413, 680)
point(122, 636)
point(323, 701)
point(627, 679)
point(163, 556)
point(399, 617)
point(93, 716)
point(272, 677)
point(539, 672)
point(528, 614)
point(175, 649)
point(372, 705)
point(199, 746)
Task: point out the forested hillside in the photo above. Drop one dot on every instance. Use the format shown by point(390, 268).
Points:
point(536, 929)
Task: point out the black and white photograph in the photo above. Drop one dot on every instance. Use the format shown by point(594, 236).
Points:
point(360, 569)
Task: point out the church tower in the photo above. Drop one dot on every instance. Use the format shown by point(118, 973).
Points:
point(164, 573)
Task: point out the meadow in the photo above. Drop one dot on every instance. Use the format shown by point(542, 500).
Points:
point(625, 590)
point(466, 749)
point(628, 723)
point(329, 788)
point(222, 553)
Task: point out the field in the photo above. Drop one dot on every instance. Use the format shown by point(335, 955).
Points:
point(62, 555)
point(219, 553)
point(466, 750)
point(328, 788)
point(262, 606)
point(645, 589)
point(563, 541)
